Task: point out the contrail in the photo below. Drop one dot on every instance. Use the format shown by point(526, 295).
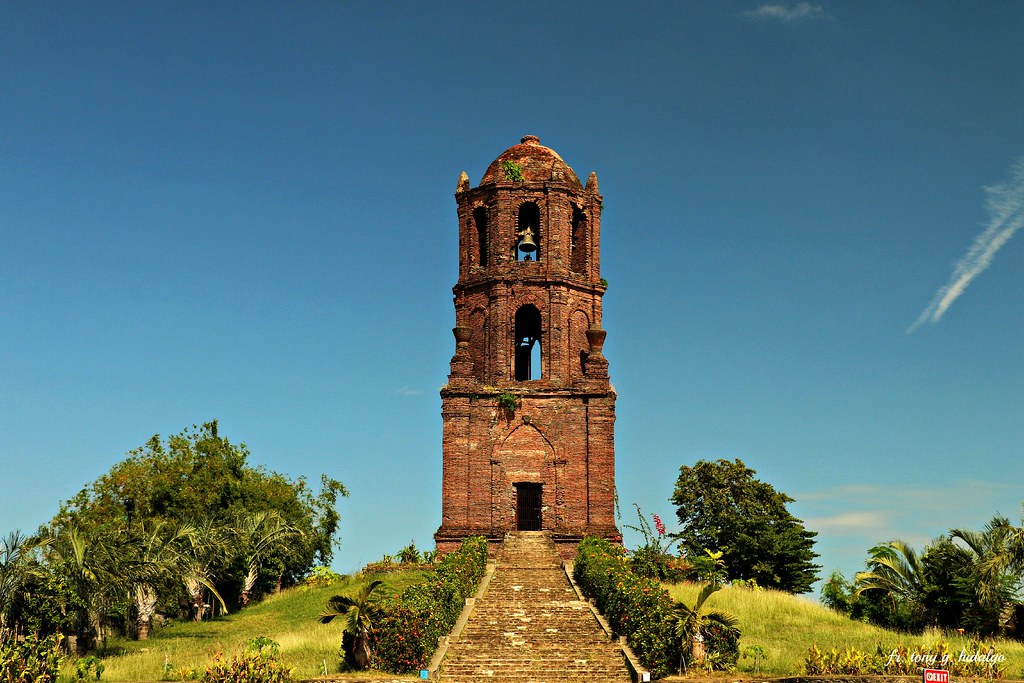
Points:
point(1005, 205)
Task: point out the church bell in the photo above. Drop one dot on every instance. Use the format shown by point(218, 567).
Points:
point(526, 243)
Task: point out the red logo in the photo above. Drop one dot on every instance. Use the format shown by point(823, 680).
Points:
point(936, 676)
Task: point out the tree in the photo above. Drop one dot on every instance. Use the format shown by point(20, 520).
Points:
point(358, 612)
point(949, 588)
point(722, 508)
point(158, 558)
point(208, 546)
point(997, 555)
point(895, 572)
point(258, 534)
point(200, 474)
point(17, 567)
point(95, 567)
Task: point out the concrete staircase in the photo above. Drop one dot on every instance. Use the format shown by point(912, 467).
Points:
point(529, 627)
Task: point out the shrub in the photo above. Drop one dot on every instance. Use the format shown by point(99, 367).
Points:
point(32, 660)
point(404, 639)
point(722, 645)
point(252, 666)
point(321, 576)
point(88, 667)
point(636, 607)
point(975, 661)
point(513, 171)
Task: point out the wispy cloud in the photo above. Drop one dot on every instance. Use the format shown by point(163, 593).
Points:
point(802, 11)
point(407, 391)
point(1005, 205)
point(849, 522)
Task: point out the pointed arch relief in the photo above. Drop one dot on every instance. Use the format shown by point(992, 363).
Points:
point(525, 453)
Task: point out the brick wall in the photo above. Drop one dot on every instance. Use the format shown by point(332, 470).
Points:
point(561, 436)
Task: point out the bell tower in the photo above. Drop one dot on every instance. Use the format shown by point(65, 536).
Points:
point(528, 411)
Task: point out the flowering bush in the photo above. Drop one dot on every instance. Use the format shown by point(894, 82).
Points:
point(653, 559)
point(636, 607)
point(404, 639)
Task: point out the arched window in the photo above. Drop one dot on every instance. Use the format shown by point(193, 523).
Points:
point(528, 355)
point(480, 220)
point(578, 247)
point(527, 245)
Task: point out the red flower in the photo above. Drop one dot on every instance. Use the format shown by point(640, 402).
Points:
point(659, 525)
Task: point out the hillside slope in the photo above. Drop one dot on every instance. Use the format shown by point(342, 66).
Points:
point(785, 626)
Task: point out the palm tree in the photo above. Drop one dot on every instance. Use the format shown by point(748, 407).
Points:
point(895, 569)
point(998, 556)
point(17, 552)
point(359, 612)
point(207, 545)
point(259, 532)
point(689, 622)
point(94, 566)
point(159, 556)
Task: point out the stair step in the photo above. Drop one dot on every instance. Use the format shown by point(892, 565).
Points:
point(530, 627)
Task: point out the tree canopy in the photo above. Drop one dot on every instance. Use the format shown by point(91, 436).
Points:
point(179, 523)
point(723, 508)
point(971, 580)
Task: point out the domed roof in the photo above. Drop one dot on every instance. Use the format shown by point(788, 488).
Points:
point(536, 162)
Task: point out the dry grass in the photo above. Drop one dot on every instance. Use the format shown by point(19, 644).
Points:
point(288, 618)
point(786, 625)
point(783, 625)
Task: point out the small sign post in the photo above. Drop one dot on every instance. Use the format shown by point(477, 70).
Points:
point(935, 676)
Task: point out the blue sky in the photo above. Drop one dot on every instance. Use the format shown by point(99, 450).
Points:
point(245, 211)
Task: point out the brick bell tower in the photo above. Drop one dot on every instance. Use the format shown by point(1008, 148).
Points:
point(528, 411)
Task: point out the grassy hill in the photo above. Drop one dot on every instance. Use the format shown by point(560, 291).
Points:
point(288, 618)
point(786, 626)
point(783, 625)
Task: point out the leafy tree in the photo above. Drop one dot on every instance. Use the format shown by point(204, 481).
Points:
point(358, 613)
point(197, 475)
point(723, 508)
point(942, 586)
point(838, 593)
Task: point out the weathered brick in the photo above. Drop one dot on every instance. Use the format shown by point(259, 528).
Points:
point(561, 436)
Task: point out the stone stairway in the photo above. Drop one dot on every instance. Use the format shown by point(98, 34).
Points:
point(529, 627)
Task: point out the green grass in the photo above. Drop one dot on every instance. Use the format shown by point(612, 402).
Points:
point(786, 626)
point(288, 618)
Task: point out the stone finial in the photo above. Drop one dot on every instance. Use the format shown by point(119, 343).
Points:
point(463, 183)
point(462, 363)
point(592, 182)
